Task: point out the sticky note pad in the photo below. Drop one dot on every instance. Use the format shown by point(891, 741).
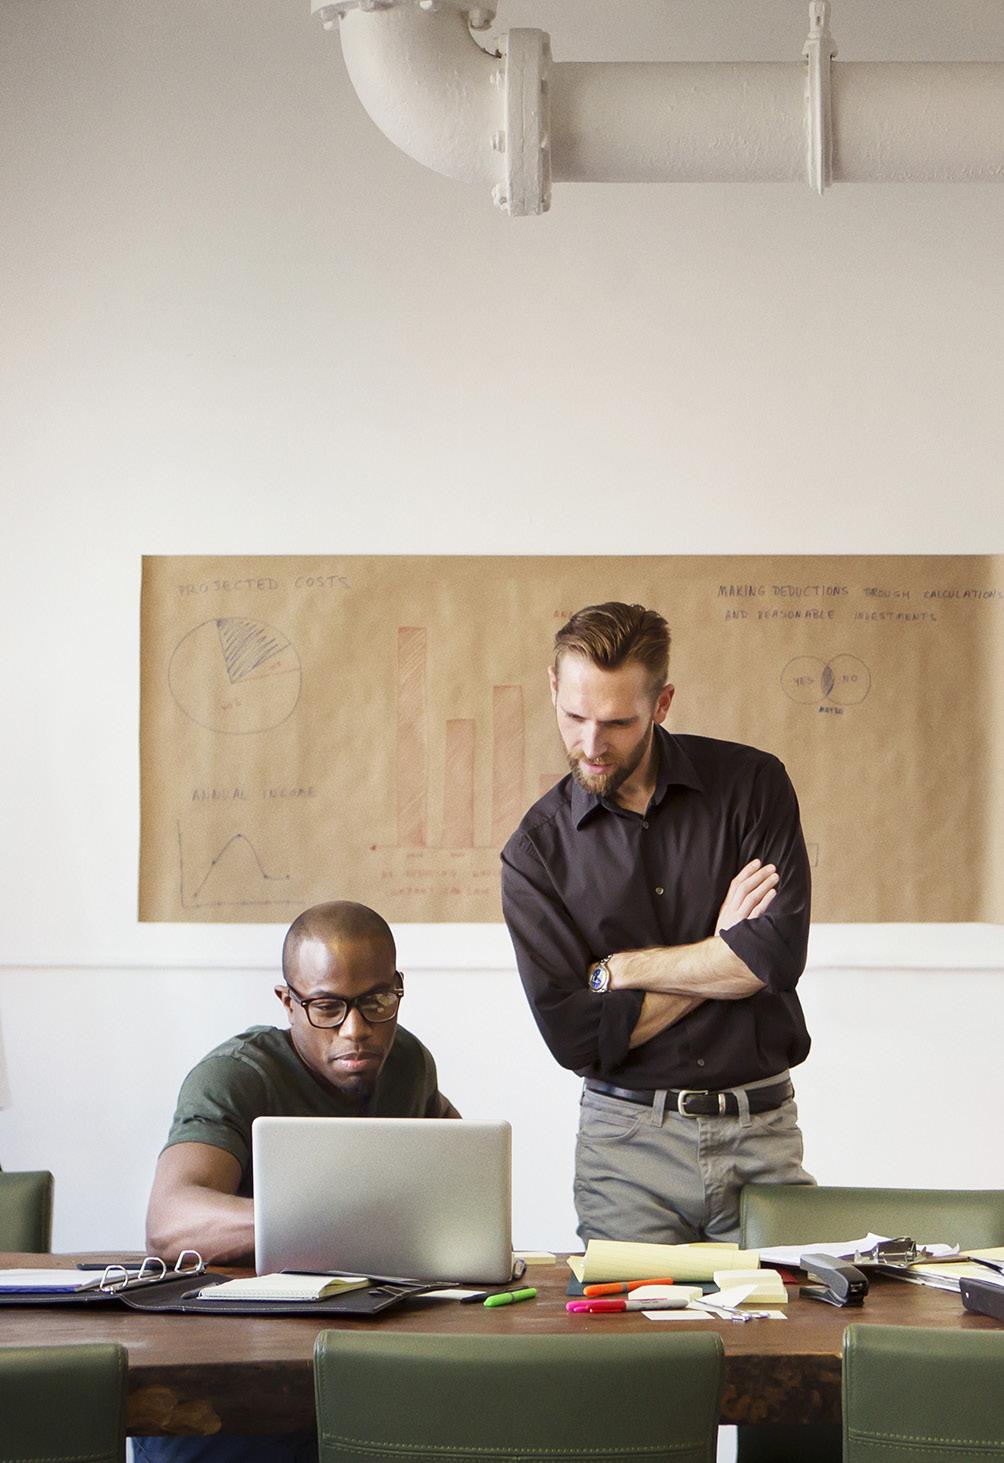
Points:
point(766, 1285)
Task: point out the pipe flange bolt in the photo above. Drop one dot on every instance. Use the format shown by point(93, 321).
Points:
point(479, 17)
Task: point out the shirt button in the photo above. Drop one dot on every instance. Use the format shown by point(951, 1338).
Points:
point(659, 889)
point(644, 822)
point(700, 1061)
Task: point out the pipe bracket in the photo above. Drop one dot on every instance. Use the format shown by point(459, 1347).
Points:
point(819, 52)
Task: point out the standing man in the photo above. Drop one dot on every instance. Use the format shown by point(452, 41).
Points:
point(658, 902)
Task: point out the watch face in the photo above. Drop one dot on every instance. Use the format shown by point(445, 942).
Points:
point(599, 978)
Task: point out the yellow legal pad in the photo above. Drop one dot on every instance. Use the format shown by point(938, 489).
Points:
point(611, 1259)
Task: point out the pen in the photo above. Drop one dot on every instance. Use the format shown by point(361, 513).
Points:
point(622, 1287)
point(509, 1297)
point(990, 1264)
point(611, 1305)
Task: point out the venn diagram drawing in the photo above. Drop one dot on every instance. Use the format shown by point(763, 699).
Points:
point(843, 680)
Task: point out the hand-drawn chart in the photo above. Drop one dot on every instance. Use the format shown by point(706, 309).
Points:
point(234, 877)
point(235, 676)
point(843, 680)
point(506, 742)
point(374, 728)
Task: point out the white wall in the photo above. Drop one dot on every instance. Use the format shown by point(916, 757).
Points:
point(237, 321)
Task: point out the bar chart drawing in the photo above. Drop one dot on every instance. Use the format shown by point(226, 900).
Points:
point(507, 741)
point(508, 758)
point(412, 738)
point(458, 787)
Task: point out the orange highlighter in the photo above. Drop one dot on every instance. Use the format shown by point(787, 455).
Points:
point(623, 1287)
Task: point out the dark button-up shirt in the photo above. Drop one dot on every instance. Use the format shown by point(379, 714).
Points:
point(583, 878)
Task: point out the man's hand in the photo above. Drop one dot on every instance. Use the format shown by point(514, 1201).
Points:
point(750, 893)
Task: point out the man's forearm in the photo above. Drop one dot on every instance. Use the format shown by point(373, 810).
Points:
point(658, 1012)
point(219, 1226)
point(707, 970)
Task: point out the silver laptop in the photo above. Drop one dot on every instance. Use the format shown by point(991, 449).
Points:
point(419, 1198)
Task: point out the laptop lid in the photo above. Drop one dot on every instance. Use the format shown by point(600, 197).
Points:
point(424, 1198)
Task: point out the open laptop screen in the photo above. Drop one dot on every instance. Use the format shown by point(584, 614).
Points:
point(421, 1198)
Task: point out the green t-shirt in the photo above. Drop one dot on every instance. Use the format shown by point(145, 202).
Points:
point(259, 1074)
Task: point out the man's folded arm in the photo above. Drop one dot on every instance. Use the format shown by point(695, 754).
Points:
point(706, 969)
point(761, 933)
point(774, 945)
point(581, 1029)
point(194, 1205)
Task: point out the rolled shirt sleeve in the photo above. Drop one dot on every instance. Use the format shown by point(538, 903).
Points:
point(583, 1031)
point(774, 945)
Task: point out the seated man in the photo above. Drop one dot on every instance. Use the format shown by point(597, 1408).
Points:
point(343, 1055)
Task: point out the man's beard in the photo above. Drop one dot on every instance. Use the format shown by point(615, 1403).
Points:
point(607, 785)
point(357, 1090)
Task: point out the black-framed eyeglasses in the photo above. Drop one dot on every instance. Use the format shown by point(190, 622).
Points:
point(328, 1012)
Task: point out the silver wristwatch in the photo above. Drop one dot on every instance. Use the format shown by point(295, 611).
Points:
point(599, 976)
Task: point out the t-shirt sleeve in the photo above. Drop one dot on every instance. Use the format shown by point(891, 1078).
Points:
point(774, 945)
point(583, 1030)
point(219, 1100)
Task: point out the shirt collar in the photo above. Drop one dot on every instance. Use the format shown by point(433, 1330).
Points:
point(675, 770)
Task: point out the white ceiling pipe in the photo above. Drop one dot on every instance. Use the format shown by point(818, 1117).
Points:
point(427, 85)
point(924, 122)
point(614, 122)
point(432, 90)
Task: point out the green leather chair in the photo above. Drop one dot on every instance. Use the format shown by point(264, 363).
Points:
point(26, 1211)
point(792, 1214)
point(622, 1398)
point(61, 1404)
point(917, 1395)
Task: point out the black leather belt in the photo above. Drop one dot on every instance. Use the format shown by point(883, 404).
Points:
point(697, 1102)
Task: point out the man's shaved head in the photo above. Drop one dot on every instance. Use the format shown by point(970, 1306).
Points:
point(338, 923)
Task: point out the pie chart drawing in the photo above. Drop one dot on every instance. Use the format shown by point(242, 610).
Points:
point(235, 676)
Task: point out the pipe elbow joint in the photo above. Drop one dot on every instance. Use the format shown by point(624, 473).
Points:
point(434, 93)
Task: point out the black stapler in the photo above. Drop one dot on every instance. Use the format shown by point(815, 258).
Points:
point(985, 1297)
point(843, 1284)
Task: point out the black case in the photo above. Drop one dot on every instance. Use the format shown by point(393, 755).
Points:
point(173, 1294)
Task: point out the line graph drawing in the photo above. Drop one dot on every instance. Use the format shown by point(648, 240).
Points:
point(231, 873)
point(235, 676)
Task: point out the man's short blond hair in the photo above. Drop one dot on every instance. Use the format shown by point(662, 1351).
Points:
point(614, 634)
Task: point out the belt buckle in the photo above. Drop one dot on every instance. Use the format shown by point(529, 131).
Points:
point(686, 1092)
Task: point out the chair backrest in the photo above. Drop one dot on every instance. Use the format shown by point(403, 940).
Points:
point(26, 1211)
point(912, 1394)
point(500, 1397)
point(63, 1403)
point(793, 1214)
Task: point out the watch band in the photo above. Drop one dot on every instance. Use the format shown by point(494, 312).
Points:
point(599, 976)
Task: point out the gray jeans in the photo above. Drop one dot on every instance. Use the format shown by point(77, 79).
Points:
point(652, 1176)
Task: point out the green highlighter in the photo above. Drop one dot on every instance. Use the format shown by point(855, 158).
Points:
point(508, 1297)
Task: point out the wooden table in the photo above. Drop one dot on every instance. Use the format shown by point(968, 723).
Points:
point(250, 1374)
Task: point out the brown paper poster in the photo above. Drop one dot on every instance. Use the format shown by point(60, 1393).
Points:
point(373, 728)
